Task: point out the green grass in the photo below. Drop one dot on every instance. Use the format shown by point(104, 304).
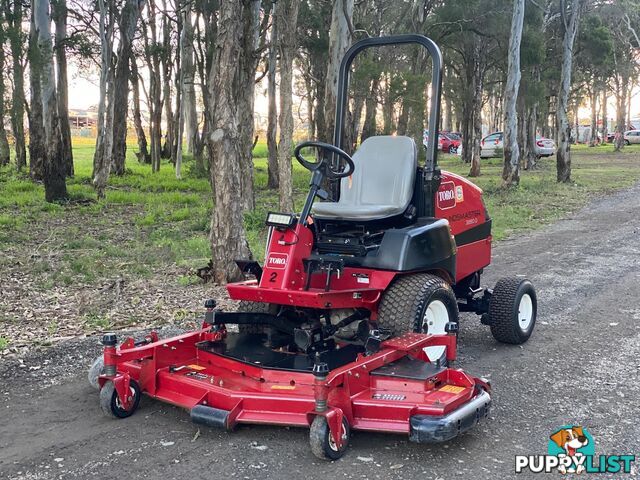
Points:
point(149, 222)
point(3, 343)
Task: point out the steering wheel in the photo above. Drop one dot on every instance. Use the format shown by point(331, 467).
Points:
point(313, 166)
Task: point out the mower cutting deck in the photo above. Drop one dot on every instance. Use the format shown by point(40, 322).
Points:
point(351, 322)
point(224, 380)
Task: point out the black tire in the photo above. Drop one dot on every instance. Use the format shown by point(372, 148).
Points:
point(453, 150)
point(95, 371)
point(627, 142)
point(255, 307)
point(319, 439)
point(404, 304)
point(504, 310)
point(109, 400)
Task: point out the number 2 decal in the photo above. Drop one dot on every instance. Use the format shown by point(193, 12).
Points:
point(273, 276)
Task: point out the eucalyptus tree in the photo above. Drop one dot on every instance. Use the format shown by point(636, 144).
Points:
point(570, 13)
point(511, 170)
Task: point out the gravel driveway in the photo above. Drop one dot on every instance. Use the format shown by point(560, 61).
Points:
point(581, 366)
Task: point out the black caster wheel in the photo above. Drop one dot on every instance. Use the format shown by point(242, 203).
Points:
point(110, 404)
point(322, 445)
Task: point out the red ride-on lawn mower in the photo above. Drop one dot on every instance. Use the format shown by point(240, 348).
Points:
point(351, 322)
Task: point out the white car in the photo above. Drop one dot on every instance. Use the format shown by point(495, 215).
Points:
point(492, 145)
point(631, 136)
point(545, 147)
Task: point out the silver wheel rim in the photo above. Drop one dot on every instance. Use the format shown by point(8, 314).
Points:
point(133, 397)
point(332, 444)
point(525, 312)
point(435, 318)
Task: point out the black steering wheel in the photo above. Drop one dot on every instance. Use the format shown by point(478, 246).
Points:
point(313, 166)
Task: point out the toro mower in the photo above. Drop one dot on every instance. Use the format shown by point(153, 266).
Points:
point(351, 322)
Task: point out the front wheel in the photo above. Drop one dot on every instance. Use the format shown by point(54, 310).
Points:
point(422, 303)
point(453, 150)
point(110, 403)
point(322, 445)
point(512, 310)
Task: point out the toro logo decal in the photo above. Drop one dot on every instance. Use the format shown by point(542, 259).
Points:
point(277, 260)
point(446, 196)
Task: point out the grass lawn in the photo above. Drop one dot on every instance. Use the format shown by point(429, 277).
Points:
point(151, 231)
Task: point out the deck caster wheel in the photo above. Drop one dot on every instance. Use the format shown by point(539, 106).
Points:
point(422, 303)
point(110, 404)
point(512, 310)
point(322, 445)
point(95, 371)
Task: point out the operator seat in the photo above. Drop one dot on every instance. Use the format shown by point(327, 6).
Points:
point(382, 182)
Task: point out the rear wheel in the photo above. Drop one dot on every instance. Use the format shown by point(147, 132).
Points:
point(422, 303)
point(322, 445)
point(255, 307)
point(453, 149)
point(512, 310)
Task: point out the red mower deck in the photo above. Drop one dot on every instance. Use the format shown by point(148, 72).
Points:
point(394, 390)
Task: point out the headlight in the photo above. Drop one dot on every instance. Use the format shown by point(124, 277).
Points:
point(281, 220)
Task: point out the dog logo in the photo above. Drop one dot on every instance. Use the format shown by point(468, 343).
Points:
point(571, 449)
point(575, 444)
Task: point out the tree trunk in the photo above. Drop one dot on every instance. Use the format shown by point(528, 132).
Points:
point(287, 16)
point(511, 170)
point(189, 91)
point(605, 121)
point(478, 79)
point(167, 51)
point(155, 88)
point(593, 99)
point(532, 120)
point(5, 153)
point(621, 112)
point(37, 148)
point(128, 22)
point(272, 119)
point(370, 109)
point(228, 239)
point(14, 29)
point(339, 42)
point(55, 188)
point(103, 154)
point(143, 152)
point(563, 154)
point(246, 96)
point(59, 14)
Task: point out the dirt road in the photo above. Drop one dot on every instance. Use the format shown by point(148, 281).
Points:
point(582, 366)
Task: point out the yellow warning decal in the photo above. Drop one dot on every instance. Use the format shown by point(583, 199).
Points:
point(195, 367)
point(451, 389)
point(283, 387)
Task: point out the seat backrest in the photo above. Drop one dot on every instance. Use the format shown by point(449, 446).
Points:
point(384, 174)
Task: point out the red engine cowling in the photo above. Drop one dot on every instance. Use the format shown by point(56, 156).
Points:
point(460, 202)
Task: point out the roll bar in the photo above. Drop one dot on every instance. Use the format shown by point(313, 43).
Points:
point(436, 87)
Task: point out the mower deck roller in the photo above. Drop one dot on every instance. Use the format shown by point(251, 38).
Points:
point(395, 390)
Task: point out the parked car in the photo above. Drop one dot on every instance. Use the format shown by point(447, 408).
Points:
point(545, 147)
point(491, 145)
point(631, 136)
point(448, 143)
